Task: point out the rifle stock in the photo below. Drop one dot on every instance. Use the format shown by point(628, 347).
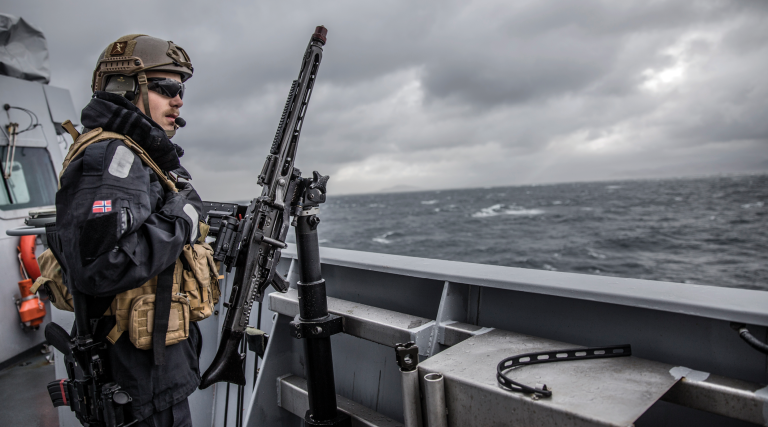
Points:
point(227, 366)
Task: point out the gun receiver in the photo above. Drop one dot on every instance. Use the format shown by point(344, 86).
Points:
point(253, 244)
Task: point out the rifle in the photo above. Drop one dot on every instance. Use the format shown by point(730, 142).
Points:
point(87, 390)
point(253, 244)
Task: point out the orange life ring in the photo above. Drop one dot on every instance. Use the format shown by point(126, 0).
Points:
point(28, 258)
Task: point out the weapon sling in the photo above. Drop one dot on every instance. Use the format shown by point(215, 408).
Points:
point(162, 313)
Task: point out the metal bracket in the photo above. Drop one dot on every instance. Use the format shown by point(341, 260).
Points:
point(331, 325)
point(311, 211)
point(407, 356)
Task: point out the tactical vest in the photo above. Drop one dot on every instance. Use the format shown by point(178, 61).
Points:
point(195, 277)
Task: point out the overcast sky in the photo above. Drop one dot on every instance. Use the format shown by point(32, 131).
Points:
point(449, 94)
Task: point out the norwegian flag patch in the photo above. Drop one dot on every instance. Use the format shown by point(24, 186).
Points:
point(101, 206)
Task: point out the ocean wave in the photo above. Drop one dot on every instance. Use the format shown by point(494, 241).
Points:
point(595, 254)
point(499, 209)
point(428, 202)
point(613, 187)
point(752, 205)
point(383, 238)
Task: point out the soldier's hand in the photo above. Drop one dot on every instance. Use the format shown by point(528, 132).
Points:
point(187, 191)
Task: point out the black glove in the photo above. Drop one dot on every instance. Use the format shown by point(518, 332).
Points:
point(188, 192)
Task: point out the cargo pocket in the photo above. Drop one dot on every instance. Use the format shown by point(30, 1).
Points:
point(196, 301)
point(141, 321)
point(201, 281)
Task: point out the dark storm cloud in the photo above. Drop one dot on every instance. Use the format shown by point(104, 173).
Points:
point(441, 94)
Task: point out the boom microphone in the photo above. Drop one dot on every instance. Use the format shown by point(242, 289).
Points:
point(180, 122)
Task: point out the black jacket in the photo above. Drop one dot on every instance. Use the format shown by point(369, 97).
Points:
point(118, 228)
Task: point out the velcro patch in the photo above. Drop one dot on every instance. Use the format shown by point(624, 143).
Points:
point(121, 163)
point(102, 206)
point(118, 48)
point(98, 235)
point(192, 214)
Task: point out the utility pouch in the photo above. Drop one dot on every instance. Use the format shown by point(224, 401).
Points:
point(141, 321)
point(201, 281)
point(51, 279)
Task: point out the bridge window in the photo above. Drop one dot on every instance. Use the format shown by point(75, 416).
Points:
point(32, 182)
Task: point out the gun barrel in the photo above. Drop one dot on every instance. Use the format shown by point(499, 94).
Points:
point(319, 35)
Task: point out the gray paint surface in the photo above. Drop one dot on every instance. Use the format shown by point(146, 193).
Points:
point(30, 95)
point(614, 391)
point(731, 304)
point(60, 105)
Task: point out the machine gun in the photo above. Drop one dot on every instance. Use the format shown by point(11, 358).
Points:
point(253, 244)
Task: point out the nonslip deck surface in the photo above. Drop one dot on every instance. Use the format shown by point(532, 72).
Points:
point(24, 399)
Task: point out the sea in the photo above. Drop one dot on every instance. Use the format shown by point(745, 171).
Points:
point(707, 231)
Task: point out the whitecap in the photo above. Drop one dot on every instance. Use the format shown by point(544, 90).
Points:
point(428, 202)
point(383, 238)
point(557, 202)
point(499, 209)
point(752, 205)
point(548, 267)
point(613, 187)
point(321, 241)
point(594, 254)
point(489, 211)
point(521, 211)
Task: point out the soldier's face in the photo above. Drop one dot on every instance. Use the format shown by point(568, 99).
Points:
point(164, 109)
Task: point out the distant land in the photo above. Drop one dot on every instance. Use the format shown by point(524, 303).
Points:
point(400, 189)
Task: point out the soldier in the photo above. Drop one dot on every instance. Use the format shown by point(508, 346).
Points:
point(125, 213)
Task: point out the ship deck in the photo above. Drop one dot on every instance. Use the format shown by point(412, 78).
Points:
point(24, 398)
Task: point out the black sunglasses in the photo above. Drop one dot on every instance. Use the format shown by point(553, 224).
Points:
point(166, 86)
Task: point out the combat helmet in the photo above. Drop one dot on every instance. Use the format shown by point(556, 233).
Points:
point(122, 65)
